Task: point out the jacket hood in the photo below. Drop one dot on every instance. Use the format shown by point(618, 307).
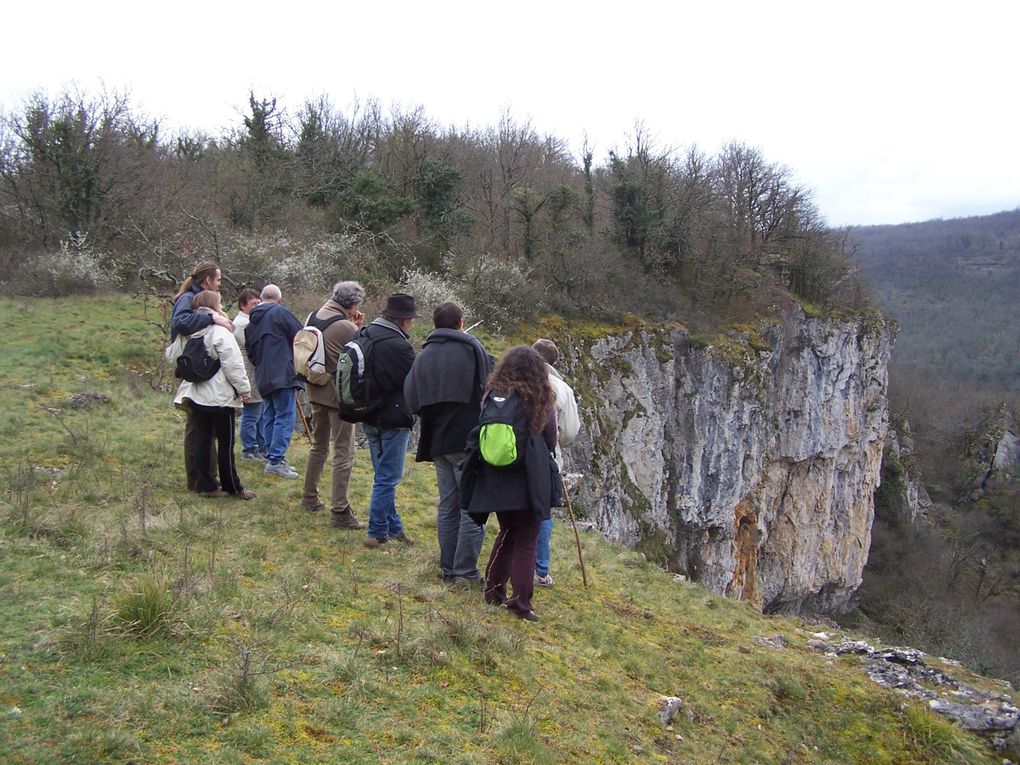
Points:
point(260, 312)
point(444, 335)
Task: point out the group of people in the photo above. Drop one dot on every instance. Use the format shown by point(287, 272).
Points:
point(446, 385)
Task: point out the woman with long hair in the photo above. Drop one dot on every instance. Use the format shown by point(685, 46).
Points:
point(520, 494)
point(212, 405)
point(185, 320)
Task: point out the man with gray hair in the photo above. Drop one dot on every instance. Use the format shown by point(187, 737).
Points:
point(568, 423)
point(338, 319)
point(268, 341)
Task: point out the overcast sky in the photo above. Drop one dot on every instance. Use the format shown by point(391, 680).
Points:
point(891, 111)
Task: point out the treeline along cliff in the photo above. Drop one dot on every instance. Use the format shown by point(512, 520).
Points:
point(748, 462)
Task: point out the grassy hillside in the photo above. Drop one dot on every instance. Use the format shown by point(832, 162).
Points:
point(141, 623)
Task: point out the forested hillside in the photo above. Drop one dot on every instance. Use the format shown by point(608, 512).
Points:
point(952, 285)
point(949, 582)
point(94, 195)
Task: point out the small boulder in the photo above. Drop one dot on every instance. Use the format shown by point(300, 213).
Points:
point(669, 706)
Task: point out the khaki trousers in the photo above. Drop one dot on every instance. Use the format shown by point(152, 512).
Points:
point(327, 427)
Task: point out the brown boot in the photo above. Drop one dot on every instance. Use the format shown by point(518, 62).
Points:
point(344, 520)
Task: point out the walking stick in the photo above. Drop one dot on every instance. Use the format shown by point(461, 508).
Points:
point(304, 420)
point(577, 537)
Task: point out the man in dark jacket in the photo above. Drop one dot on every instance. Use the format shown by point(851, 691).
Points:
point(445, 387)
point(338, 320)
point(268, 341)
point(388, 429)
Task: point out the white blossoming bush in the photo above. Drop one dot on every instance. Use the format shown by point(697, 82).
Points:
point(499, 292)
point(76, 268)
point(293, 263)
point(429, 290)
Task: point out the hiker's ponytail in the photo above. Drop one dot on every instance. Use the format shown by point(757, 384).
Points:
point(202, 271)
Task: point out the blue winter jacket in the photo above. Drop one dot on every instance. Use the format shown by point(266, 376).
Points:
point(268, 341)
point(185, 320)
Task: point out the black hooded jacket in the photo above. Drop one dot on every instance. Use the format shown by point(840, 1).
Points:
point(445, 387)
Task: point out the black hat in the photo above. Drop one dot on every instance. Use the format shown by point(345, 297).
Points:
point(400, 305)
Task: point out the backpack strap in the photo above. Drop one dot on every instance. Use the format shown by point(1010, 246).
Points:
point(321, 324)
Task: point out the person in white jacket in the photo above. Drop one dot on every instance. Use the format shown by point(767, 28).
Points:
point(568, 423)
point(212, 404)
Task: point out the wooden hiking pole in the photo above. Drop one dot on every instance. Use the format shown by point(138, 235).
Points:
point(304, 420)
point(577, 537)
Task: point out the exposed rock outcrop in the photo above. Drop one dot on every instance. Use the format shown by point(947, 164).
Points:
point(747, 463)
point(900, 474)
point(989, 714)
point(994, 454)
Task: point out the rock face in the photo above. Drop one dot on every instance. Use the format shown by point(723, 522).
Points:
point(994, 455)
point(899, 472)
point(748, 463)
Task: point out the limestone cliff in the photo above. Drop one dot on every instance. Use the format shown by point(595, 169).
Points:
point(747, 463)
point(993, 456)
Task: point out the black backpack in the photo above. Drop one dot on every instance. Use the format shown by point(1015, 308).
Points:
point(356, 389)
point(503, 431)
point(195, 364)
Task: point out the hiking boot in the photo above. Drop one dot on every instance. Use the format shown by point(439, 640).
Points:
point(372, 542)
point(253, 456)
point(282, 470)
point(344, 520)
point(402, 538)
point(313, 507)
point(531, 616)
point(544, 581)
point(245, 494)
point(466, 582)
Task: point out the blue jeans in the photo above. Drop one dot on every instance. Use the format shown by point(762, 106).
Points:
point(542, 551)
point(388, 449)
point(279, 422)
point(253, 428)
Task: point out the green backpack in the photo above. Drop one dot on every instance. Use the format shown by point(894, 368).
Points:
point(503, 431)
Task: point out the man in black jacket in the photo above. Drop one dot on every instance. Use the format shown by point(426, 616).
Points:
point(445, 387)
point(388, 429)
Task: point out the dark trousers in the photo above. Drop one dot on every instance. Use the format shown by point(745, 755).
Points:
point(191, 466)
point(215, 422)
point(513, 558)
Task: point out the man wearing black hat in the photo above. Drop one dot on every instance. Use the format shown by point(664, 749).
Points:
point(388, 429)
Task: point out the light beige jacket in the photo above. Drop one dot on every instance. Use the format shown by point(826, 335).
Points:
point(227, 386)
point(568, 421)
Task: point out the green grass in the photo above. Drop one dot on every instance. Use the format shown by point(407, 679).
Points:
point(141, 623)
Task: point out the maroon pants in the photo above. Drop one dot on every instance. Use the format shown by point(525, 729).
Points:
point(513, 558)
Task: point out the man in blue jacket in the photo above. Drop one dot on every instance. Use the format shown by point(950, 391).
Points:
point(268, 341)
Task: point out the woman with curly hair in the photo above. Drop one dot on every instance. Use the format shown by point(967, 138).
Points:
point(520, 494)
